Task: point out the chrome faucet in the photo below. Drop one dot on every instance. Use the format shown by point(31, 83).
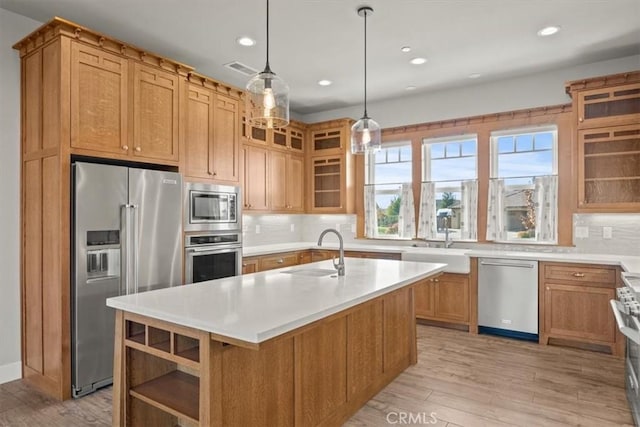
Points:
point(340, 264)
point(447, 242)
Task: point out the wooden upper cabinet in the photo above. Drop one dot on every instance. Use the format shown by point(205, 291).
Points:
point(609, 105)
point(328, 141)
point(99, 100)
point(278, 181)
point(211, 135)
point(198, 131)
point(296, 138)
point(226, 139)
point(256, 178)
point(155, 113)
point(609, 168)
point(286, 185)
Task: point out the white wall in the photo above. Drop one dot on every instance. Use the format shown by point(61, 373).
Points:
point(12, 28)
point(537, 90)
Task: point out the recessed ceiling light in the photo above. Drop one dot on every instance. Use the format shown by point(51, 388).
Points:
point(548, 31)
point(324, 82)
point(474, 75)
point(410, 88)
point(405, 49)
point(245, 41)
point(418, 61)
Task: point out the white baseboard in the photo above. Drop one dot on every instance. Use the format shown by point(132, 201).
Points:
point(10, 372)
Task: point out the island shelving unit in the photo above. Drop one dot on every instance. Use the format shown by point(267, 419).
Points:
point(267, 348)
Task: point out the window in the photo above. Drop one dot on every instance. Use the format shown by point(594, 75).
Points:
point(523, 186)
point(448, 205)
point(388, 192)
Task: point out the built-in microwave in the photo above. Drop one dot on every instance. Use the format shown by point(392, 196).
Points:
point(210, 207)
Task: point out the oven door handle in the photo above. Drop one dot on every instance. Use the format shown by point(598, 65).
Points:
point(632, 334)
point(218, 250)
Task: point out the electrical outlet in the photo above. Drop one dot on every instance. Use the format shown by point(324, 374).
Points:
point(607, 232)
point(338, 226)
point(293, 228)
point(353, 228)
point(582, 232)
point(258, 229)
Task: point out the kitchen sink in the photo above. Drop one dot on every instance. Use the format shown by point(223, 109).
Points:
point(456, 259)
point(314, 272)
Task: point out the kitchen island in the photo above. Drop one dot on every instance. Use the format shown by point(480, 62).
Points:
point(298, 346)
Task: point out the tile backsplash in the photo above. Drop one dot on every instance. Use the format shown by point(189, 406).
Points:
point(274, 229)
point(607, 233)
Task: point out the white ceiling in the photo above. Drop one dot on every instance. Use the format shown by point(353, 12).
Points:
point(323, 39)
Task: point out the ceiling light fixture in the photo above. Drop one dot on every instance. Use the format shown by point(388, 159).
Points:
point(418, 61)
point(405, 49)
point(324, 82)
point(474, 75)
point(548, 31)
point(267, 96)
point(245, 41)
point(365, 133)
point(410, 88)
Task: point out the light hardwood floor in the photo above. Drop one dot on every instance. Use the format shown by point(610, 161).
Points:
point(460, 380)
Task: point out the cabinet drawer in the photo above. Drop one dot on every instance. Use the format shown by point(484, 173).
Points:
point(277, 261)
point(581, 273)
point(372, 255)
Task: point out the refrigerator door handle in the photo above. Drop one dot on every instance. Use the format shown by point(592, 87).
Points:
point(124, 254)
point(134, 221)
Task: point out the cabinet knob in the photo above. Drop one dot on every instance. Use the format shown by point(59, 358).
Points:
point(547, 288)
point(280, 261)
point(244, 265)
point(215, 173)
point(211, 173)
point(138, 149)
point(436, 280)
point(578, 274)
point(125, 147)
point(580, 119)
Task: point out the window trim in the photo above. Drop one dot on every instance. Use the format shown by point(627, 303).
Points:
point(426, 154)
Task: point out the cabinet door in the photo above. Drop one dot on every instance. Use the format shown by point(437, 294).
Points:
point(424, 294)
point(296, 139)
point(99, 94)
point(327, 141)
point(327, 175)
point(295, 183)
point(278, 181)
point(198, 132)
point(155, 113)
point(255, 178)
point(609, 106)
point(609, 168)
point(579, 311)
point(226, 140)
point(452, 298)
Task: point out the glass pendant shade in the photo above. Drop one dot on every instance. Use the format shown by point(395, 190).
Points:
point(267, 101)
point(366, 136)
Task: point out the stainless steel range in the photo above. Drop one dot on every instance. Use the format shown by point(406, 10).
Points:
point(627, 313)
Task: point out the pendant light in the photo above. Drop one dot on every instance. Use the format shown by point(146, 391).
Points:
point(365, 133)
point(267, 96)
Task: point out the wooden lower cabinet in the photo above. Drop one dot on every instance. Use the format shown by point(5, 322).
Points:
point(574, 304)
point(269, 262)
point(444, 298)
point(319, 374)
point(250, 265)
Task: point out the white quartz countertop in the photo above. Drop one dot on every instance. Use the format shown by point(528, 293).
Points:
point(627, 262)
point(256, 307)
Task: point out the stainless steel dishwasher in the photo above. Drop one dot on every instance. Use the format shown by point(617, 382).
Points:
point(508, 297)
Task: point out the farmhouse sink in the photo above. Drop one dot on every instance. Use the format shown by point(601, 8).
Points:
point(456, 260)
point(314, 272)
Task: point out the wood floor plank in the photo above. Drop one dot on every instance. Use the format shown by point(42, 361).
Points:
point(464, 380)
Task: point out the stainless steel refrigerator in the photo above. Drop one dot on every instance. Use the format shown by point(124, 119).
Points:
point(127, 229)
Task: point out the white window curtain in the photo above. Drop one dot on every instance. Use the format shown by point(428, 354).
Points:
point(427, 220)
point(370, 211)
point(546, 190)
point(495, 210)
point(469, 210)
point(407, 214)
